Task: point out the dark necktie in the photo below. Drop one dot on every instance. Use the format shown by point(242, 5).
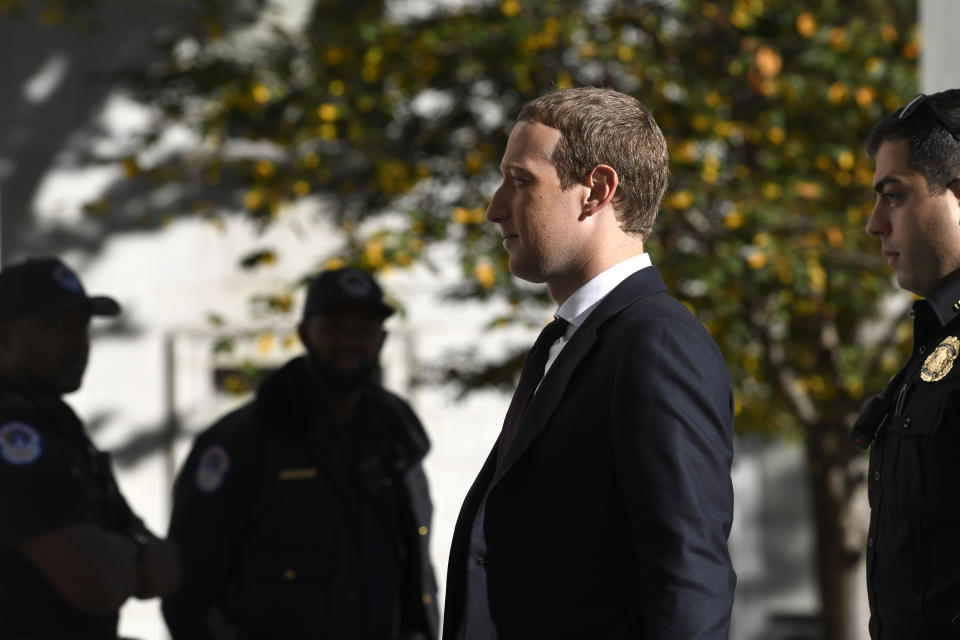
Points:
point(533, 368)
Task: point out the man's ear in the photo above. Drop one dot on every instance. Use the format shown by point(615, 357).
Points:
point(954, 187)
point(603, 182)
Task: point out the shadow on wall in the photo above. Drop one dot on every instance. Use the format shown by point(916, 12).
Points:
point(63, 76)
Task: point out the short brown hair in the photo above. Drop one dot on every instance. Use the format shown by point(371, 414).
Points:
point(603, 126)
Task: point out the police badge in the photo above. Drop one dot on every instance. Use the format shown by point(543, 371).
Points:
point(938, 364)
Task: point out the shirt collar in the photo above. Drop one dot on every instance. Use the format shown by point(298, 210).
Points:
point(578, 306)
point(945, 299)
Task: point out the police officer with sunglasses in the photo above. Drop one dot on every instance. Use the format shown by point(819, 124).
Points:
point(913, 427)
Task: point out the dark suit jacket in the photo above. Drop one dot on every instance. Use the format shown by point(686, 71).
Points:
point(610, 514)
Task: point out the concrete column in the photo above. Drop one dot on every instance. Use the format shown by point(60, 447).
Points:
point(940, 54)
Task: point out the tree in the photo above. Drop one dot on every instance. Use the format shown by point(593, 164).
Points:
point(396, 122)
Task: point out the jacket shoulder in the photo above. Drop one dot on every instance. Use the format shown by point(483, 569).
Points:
point(11, 401)
point(662, 323)
point(659, 308)
point(404, 422)
point(232, 431)
point(16, 406)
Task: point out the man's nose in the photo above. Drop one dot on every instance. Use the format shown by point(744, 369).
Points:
point(495, 210)
point(878, 224)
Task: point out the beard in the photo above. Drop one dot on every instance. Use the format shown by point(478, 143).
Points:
point(340, 378)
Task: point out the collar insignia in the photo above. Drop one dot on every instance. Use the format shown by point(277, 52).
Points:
point(938, 364)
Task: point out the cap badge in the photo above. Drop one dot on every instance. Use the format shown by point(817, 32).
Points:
point(355, 285)
point(938, 364)
point(67, 279)
point(212, 469)
point(20, 444)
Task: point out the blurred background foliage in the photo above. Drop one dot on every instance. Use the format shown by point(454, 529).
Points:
point(765, 105)
point(394, 122)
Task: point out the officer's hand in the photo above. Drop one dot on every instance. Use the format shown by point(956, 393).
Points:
point(158, 572)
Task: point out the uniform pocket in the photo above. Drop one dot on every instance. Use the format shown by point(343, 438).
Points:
point(286, 594)
point(928, 464)
point(941, 469)
point(299, 531)
point(914, 434)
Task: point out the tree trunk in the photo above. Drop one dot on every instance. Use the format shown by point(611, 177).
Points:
point(841, 514)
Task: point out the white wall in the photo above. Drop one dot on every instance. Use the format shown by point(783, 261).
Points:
point(940, 55)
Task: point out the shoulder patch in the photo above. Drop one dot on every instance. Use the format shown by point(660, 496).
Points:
point(20, 444)
point(212, 468)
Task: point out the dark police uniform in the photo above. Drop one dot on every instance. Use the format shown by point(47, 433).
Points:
point(291, 526)
point(913, 545)
point(51, 477)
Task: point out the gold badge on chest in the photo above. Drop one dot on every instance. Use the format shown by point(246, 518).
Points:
point(938, 364)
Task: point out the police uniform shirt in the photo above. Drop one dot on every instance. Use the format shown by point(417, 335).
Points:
point(51, 477)
point(913, 545)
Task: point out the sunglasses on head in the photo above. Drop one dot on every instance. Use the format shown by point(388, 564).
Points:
point(922, 99)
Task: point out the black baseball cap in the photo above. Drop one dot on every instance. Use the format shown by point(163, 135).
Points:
point(46, 285)
point(337, 287)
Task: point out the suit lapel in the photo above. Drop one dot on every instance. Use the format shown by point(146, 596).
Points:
point(553, 387)
point(478, 490)
point(471, 503)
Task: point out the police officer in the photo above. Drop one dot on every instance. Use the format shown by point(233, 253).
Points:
point(71, 550)
point(305, 513)
point(913, 545)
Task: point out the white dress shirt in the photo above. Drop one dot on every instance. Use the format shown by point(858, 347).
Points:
point(584, 300)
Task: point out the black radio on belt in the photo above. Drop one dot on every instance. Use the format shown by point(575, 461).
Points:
point(869, 421)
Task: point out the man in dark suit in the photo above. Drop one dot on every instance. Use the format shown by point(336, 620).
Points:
point(603, 509)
